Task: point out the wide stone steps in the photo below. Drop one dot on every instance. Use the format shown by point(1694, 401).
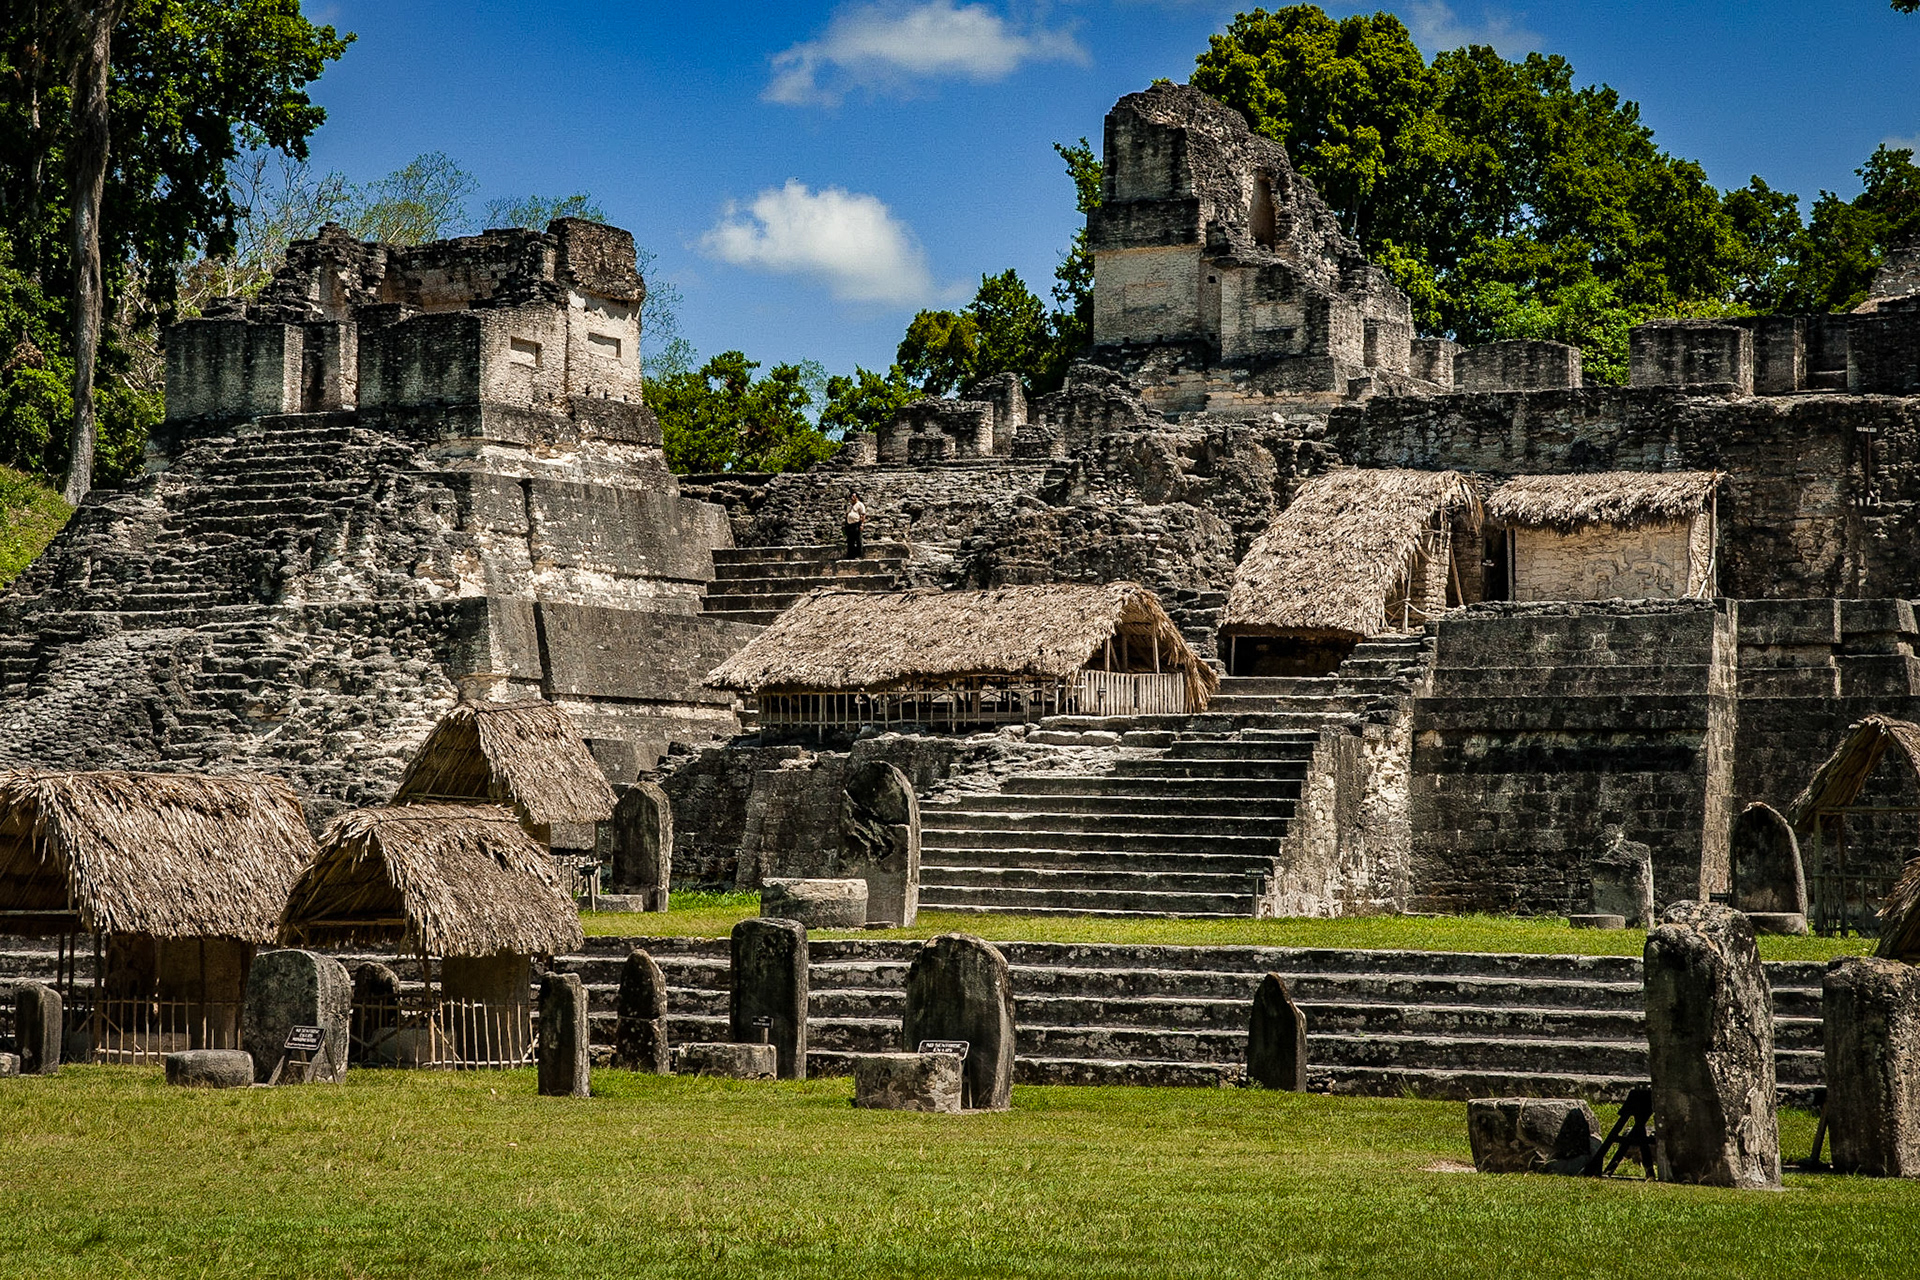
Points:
point(1117, 821)
point(1379, 1022)
point(1442, 1024)
point(1257, 855)
point(1112, 796)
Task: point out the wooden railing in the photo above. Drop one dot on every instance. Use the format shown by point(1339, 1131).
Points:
point(146, 1031)
point(444, 1035)
point(981, 702)
point(1124, 693)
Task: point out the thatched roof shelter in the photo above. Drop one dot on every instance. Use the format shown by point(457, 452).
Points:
point(879, 642)
point(1624, 499)
point(527, 755)
point(1839, 782)
point(1900, 935)
point(1349, 538)
point(164, 855)
point(440, 879)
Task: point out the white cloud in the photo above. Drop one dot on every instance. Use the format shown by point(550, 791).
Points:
point(890, 46)
point(1436, 26)
point(850, 241)
point(1910, 143)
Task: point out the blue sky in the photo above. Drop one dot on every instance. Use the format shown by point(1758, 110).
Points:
point(810, 174)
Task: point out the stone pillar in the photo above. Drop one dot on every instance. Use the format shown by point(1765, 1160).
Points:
point(1623, 882)
point(640, 845)
point(1277, 1038)
point(880, 841)
point(640, 1036)
point(563, 1061)
point(288, 989)
point(1871, 1008)
point(37, 1028)
point(1768, 879)
point(375, 1010)
point(770, 981)
point(1710, 1050)
point(487, 1006)
point(959, 988)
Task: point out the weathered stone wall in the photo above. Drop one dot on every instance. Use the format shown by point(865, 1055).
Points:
point(1347, 852)
point(1603, 562)
point(1549, 726)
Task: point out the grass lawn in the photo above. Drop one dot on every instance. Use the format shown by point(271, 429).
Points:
point(421, 1174)
point(702, 915)
point(30, 514)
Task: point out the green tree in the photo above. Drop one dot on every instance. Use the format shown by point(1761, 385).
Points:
point(941, 351)
point(1473, 171)
point(424, 200)
point(536, 212)
point(721, 418)
point(1073, 278)
point(145, 102)
point(866, 401)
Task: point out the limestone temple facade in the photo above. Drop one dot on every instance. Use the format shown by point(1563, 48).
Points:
point(401, 474)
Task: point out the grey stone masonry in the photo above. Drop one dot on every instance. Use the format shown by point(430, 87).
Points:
point(640, 1035)
point(817, 904)
point(1710, 1050)
point(1532, 1135)
point(728, 1061)
point(958, 988)
point(1692, 353)
point(210, 1068)
point(37, 1028)
point(1277, 1038)
point(564, 1067)
point(1517, 364)
point(908, 1082)
point(288, 989)
point(769, 1000)
point(1622, 877)
point(1873, 1066)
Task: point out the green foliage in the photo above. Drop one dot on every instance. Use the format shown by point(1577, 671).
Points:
point(424, 200)
point(1073, 278)
point(721, 418)
point(536, 212)
point(866, 401)
point(1473, 171)
point(30, 514)
point(941, 350)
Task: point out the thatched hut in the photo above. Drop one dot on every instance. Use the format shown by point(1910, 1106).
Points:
point(1858, 826)
point(1615, 535)
point(175, 877)
point(953, 659)
point(461, 885)
point(1357, 553)
point(525, 755)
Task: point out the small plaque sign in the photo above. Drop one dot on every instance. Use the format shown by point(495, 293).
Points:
point(764, 1020)
point(956, 1047)
point(305, 1040)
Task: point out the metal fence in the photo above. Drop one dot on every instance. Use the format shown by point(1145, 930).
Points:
point(441, 1035)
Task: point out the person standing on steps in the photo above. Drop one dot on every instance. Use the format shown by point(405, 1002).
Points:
point(856, 524)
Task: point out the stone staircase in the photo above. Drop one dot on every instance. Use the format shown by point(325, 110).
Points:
point(1190, 815)
point(1379, 1023)
point(755, 584)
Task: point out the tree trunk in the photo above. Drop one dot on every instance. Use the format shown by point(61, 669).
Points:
point(91, 26)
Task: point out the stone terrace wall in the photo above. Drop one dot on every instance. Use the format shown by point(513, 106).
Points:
point(1821, 495)
point(1548, 726)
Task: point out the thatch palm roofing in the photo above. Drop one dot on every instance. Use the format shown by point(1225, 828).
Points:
point(1626, 499)
point(876, 642)
point(1349, 538)
point(527, 755)
point(1838, 783)
point(165, 855)
point(445, 880)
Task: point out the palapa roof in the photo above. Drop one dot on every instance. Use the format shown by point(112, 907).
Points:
point(1627, 499)
point(1839, 782)
point(443, 879)
point(166, 855)
point(873, 642)
point(1328, 563)
point(1900, 936)
point(527, 755)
